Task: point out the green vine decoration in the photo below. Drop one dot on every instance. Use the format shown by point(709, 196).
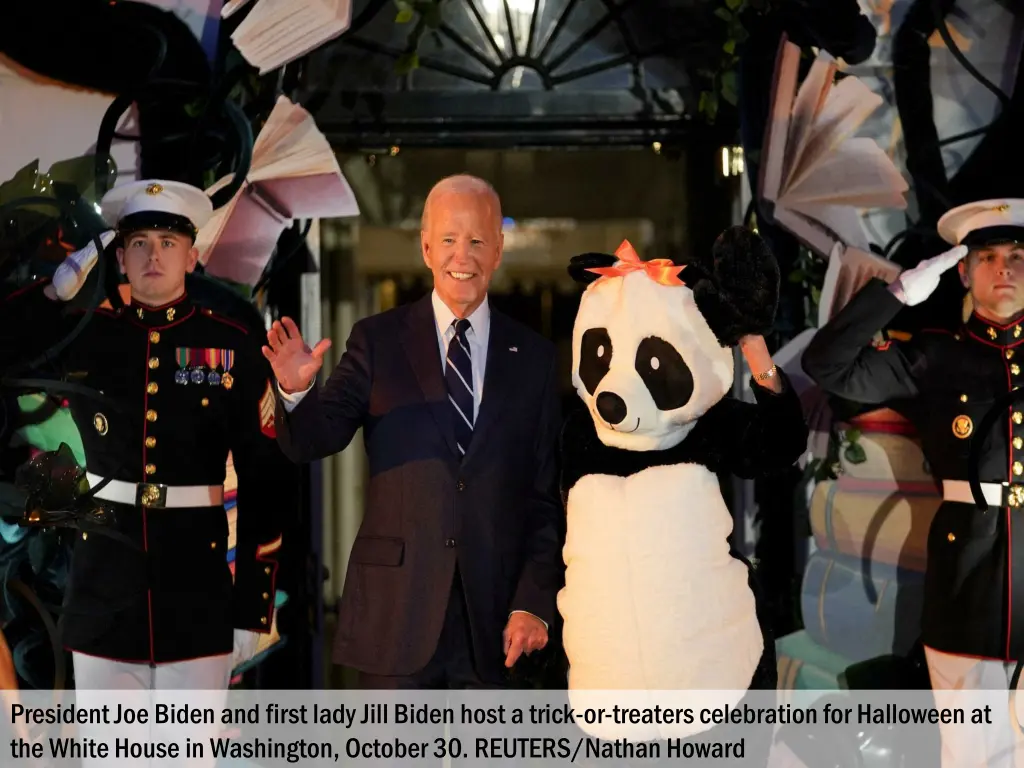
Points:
point(853, 451)
point(424, 17)
point(427, 17)
point(723, 79)
point(809, 273)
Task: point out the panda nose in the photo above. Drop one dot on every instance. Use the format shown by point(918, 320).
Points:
point(611, 407)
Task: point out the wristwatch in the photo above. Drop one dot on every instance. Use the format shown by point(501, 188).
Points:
point(767, 374)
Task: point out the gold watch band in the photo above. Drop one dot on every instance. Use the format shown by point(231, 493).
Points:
point(766, 374)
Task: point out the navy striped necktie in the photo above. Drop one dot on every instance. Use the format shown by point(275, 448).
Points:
point(458, 375)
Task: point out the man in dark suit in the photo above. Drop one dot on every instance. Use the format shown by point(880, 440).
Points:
point(457, 563)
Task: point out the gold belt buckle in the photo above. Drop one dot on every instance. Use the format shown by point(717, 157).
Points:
point(151, 495)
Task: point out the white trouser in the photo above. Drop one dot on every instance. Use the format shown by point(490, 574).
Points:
point(966, 682)
point(94, 676)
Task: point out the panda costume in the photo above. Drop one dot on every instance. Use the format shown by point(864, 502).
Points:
point(654, 599)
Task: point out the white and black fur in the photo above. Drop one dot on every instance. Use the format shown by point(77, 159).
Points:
point(655, 598)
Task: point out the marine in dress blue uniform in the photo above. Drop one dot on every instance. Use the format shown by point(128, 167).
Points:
point(945, 382)
point(191, 387)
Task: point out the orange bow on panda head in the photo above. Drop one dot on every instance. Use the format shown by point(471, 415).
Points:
point(661, 271)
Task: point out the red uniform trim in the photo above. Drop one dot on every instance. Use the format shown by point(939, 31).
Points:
point(145, 532)
point(1009, 522)
point(27, 288)
point(209, 313)
point(177, 321)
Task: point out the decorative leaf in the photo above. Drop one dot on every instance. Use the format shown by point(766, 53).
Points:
point(729, 46)
point(853, 434)
point(407, 62)
point(815, 294)
point(854, 454)
point(432, 15)
point(797, 276)
point(404, 16)
point(723, 14)
point(730, 89)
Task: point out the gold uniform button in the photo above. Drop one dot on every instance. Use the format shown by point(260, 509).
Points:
point(1015, 369)
point(263, 619)
point(267, 570)
point(151, 442)
point(150, 415)
point(1009, 354)
point(1018, 468)
point(154, 362)
point(213, 545)
point(85, 536)
point(154, 337)
point(152, 388)
point(1018, 417)
point(1018, 443)
point(266, 595)
point(963, 398)
point(951, 537)
point(205, 401)
point(150, 469)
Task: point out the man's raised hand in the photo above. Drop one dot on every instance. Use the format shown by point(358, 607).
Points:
point(295, 364)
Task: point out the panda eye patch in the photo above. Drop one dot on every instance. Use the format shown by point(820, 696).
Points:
point(664, 372)
point(595, 357)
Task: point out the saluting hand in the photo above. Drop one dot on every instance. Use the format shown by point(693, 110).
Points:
point(295, 364)
point(917, 284)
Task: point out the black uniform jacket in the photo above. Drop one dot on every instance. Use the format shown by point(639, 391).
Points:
point(944, 383)
point(193, 386)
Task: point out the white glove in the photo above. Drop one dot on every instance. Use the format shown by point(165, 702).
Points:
point(71, 274)
point(915, 285)
point(246, 642)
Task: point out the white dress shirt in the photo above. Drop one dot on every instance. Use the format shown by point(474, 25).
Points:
point(477, 336)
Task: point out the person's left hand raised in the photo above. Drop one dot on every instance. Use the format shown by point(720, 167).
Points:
point(524, 633)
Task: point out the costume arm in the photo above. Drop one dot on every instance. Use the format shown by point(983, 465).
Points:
point(543, 573)
point(843, 362)
point(266, 490)
point(324, 421)
point(765, 436)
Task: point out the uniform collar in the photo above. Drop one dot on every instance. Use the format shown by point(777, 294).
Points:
point(165, 314)
point(993, 333)
point(479, 321)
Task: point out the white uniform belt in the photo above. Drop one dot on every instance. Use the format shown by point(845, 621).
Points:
point(158, 496)
point(996, 494)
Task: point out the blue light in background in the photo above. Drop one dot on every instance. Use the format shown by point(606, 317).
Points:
point(508, 223)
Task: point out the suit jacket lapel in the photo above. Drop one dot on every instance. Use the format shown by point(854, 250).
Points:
point(419, 339)
point(499, 380)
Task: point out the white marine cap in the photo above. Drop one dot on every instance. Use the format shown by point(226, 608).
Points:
point(157, 204)
point(986, 222)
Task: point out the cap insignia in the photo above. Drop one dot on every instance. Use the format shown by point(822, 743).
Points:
point(154, 189)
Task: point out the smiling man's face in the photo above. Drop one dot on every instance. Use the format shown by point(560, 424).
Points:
point(462, 241)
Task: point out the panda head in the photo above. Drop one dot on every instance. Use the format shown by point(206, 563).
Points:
point(652, 342)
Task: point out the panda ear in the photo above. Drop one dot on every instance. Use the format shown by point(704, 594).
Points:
point(578, 266)
point(740, 295)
